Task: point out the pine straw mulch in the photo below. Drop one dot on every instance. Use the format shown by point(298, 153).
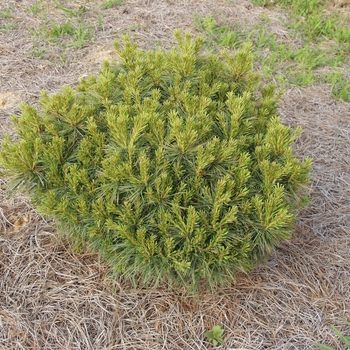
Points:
point(52, 298)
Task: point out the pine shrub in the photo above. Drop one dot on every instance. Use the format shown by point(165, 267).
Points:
point(173, 165)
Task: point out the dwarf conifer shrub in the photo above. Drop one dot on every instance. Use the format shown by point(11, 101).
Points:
point(174, 165)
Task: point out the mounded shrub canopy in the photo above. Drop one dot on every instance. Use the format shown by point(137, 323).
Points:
point(173, 165)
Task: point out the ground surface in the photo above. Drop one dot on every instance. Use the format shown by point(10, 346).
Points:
point(51, 298)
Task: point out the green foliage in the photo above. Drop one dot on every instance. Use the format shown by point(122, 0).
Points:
point(8, 27)
point(76, 35)
point(70, 12)
point(284, 62)
point(345, 339)
point(173, 165)
point(311, 18)
point(6, 14)
point(36, 8)
point(339, 85)
point(215, 335)
point(111, 3)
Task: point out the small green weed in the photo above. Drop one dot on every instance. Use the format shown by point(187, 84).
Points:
point(345, 339)
point(209, 23)
point(39, 53)
point(340, 87)
point(217, 35)
point(77, 35)
point(111, 3)
point(215, 335)
point(58, 30)
point(310, 57)
point(8, 27)
point(70, 12)
point(5, 14)
point(342, 35)
point(264, 39)
point(36, 8)
point(81, 35)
